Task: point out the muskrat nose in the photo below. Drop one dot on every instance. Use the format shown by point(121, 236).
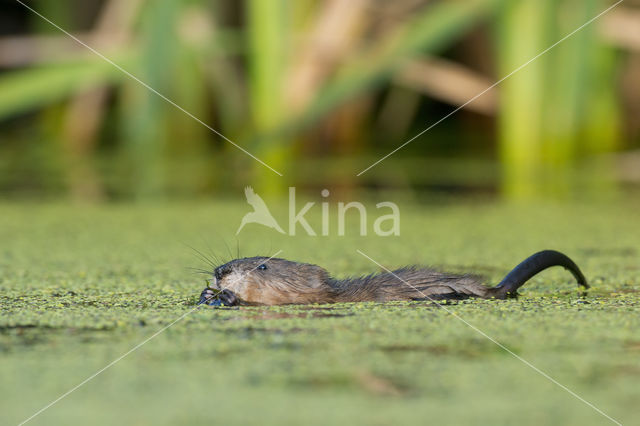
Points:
point(218, 272)
point(221, 271)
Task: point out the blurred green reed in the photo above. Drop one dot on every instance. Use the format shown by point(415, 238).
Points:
point(559, 107)
point(234, 66)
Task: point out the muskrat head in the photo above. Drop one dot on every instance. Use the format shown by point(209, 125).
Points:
point(270, 281)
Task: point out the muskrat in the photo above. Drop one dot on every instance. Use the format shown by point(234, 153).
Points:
point(273, 281)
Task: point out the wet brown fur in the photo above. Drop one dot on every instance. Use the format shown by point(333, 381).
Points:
point(286, 282)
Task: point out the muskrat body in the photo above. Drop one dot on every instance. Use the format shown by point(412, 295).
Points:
point(273, 281)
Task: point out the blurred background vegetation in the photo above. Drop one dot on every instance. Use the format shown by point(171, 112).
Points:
point(318, 90)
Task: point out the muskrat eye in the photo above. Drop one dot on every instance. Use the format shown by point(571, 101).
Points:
point(262, 267)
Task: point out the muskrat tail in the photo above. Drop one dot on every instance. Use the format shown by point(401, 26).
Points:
point(531, 266)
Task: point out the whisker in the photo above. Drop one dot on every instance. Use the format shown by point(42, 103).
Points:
point(199, 270)
point(201, 256)
point(210, 251)
point(228, 248)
